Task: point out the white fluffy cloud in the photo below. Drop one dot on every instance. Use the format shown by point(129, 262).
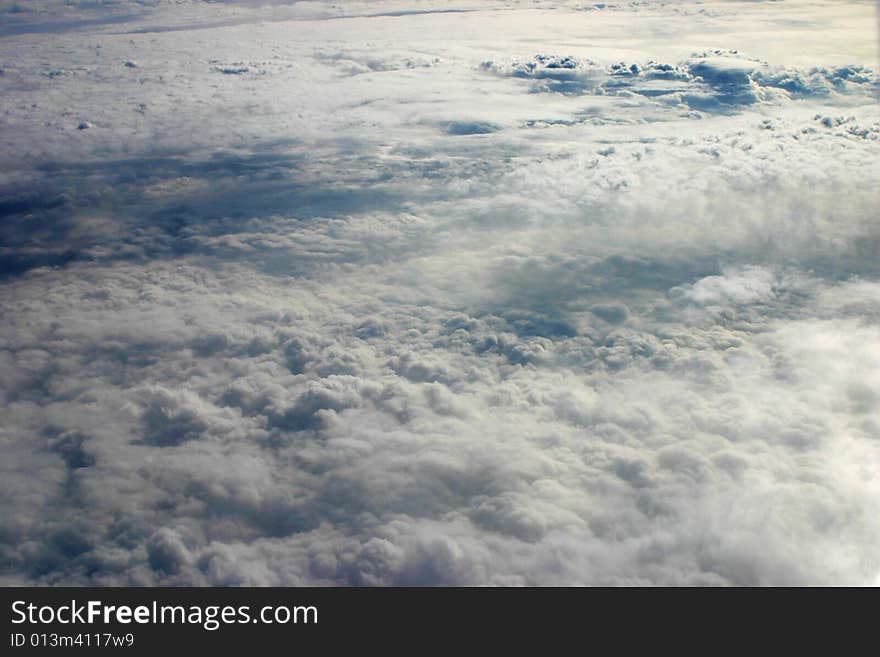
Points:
point(439, 293)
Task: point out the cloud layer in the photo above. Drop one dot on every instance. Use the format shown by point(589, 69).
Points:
point(419, 293)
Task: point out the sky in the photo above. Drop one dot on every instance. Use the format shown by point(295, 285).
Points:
point(439, 292)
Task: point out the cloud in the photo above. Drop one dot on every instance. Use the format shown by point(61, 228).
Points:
point(717, 81)
point(374, 312)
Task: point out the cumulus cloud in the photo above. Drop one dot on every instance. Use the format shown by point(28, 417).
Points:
point(369, 295)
